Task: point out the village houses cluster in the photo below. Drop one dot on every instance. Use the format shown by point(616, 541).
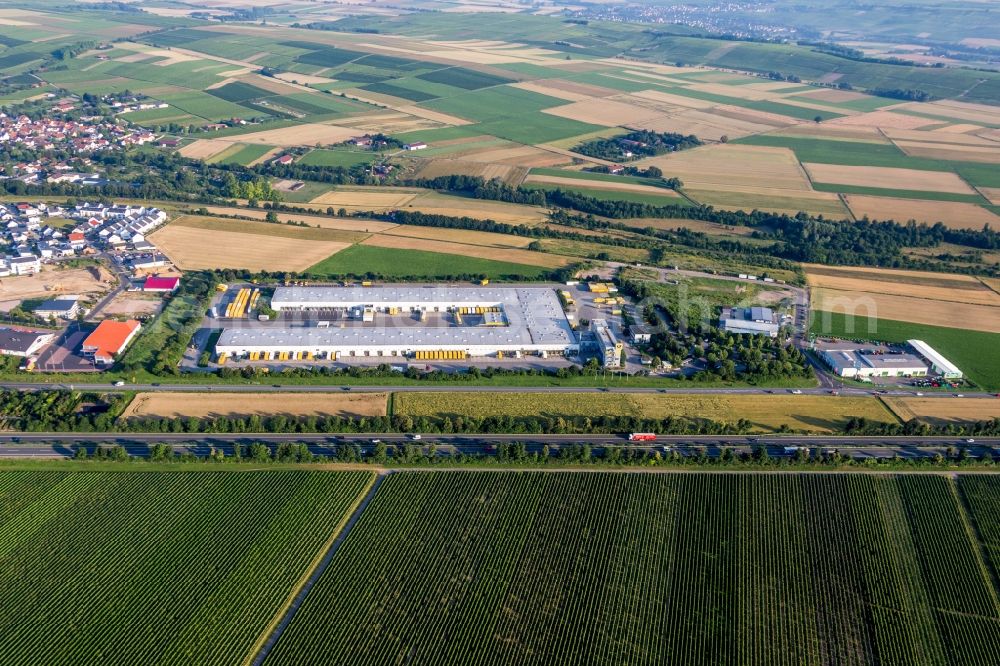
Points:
point(78, 136)
point(32, 238)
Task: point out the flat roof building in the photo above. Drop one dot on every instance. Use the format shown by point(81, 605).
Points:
point(64, 307)
point(939, 363)
point(609, 347)
point(23, 342)
point(109, 339)
point(754, 320)
point(507, 319)
point(854, 363)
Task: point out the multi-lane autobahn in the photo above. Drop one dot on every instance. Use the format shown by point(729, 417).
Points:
point(60, 445)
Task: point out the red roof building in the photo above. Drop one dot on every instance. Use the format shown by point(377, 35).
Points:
point(161, 284)
point(109, 339)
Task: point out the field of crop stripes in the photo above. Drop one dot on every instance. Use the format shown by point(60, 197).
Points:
point(147, 568)
point(513, 568)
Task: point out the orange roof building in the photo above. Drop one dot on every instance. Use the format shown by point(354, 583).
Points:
point(109, 339)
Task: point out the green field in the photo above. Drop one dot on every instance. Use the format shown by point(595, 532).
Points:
point(361, 260)
point(611, 195)
point(509, 568)
point(142, 568)
point(976, 353)
point(341, 158)
point(242, 154)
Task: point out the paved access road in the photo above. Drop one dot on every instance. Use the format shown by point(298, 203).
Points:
point(60, 445)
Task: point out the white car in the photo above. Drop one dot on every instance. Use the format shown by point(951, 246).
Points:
point(416, 437)
point(119, 383)
point(970, 441)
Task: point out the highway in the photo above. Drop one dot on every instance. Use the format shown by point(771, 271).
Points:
point(462, 387)
point(61, 445)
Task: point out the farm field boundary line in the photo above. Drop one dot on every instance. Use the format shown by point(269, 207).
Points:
point(270, 636)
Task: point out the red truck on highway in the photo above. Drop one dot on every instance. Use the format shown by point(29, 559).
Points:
point(642, 437)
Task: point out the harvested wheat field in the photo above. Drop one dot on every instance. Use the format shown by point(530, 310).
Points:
point(975, 113)
point(366, 199)
point(937, 136)
point(210, 405)
point(601, 184)
point(447, 167)
point(942, 411)
point(954, 215)
point(735, 167)
point(498, 211)
point(777, 201)
point(513, 255)
point(706, 125)
point(991, 193)
point(888, 178)
point(913, 309)
point(883, 119)
point(920, 284)
point(307, 134)
point(951, 151)
point(193, 248)
point(519, 156)
point(814, 413)
point(321, 221)
point(541, 88)
point(607, 112)
point(202, 149)
point(674, 100)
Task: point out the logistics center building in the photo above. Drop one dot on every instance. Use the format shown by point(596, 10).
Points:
point(486, 321)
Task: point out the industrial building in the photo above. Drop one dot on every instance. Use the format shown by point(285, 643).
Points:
point(484, 322)
point(609, 347)
point(22, 342)
point(755, 320)
point(938, 363)
point(109, 339)
point(854, 363)
point(64, 307)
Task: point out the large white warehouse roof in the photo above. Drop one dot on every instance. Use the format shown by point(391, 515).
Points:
point(937, 361)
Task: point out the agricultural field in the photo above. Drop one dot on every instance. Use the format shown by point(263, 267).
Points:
point(976, 353)
point(229, 405)
point(193, 242)
point(361, 260)
point(812, 413)
point(86, 553)
point(656, 568)
point(938, 299)
point(939, 411)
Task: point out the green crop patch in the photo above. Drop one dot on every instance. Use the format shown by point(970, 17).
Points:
point(368, 260)
point(390, 62)
point(337, 158)
point(190, 566)
point(460, 77)
point(644, 569)
point(237, 91)
point(179, 37)
point(359, 77)
point(328, 57)
point(15, 59)
point(398, 91)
